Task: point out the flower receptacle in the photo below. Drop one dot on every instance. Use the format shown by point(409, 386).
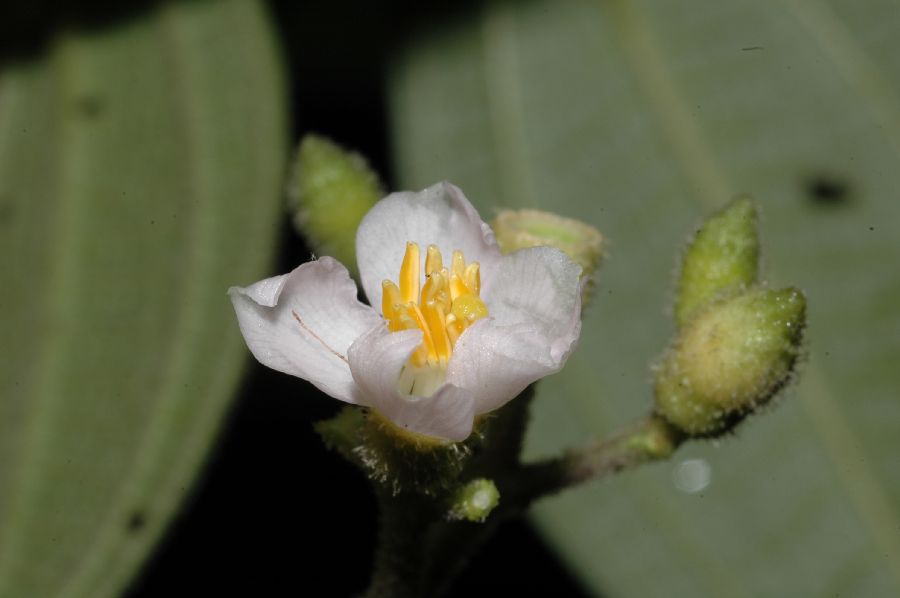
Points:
point(397, 459)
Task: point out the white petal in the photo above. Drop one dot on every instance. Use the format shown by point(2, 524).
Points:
point(539, 286)
point(439, 215)
point(322, 296)
point(376, 360)
point(534, 324)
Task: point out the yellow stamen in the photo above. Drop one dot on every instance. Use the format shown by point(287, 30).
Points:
point(409, 274)
point(390, 297)
point(433, 260)
point(459, 263)
point(442, 308)
point(434, 283)
point(473, 277)
point(402, 320)
point(454, 328)
point(457, 287)
point(468, 308)
point(437, 324)
point(416, 315)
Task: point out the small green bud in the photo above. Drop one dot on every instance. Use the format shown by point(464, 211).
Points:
point(518, 229)
point(730, 359)
point(330, 191)
point(722, 259)
point(475, 500)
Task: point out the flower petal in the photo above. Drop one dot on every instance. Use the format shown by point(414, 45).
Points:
point(303, 324)
point(439, 215)
point(535, 321)
point(540, 286)
point(376, 360)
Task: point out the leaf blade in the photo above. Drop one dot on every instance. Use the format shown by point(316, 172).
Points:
point(154, 121)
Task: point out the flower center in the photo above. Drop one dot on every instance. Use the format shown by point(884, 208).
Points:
point(442, 309)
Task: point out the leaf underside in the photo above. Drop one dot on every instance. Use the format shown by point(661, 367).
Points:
point(140, 170)
point(641, 117)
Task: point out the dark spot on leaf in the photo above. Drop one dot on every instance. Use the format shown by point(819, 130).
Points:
point(90, 106)
point(751, 48)
point(871, 228)
point(136, 522)
point(828, 190)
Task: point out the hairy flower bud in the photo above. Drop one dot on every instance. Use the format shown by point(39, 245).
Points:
point(330, 191)
point(518, 229)
point(729, 359)
point(722, 259)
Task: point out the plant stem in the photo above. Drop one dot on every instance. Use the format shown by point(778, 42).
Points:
point(650, 439)
point(419, 552)
point(400, 552)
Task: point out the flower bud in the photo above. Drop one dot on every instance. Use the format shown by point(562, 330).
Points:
point(729, 359)
point(330, 191)
point(475, 500)
point(722, 259)
point(518, 229)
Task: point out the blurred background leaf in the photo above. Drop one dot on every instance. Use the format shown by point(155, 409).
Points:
point(140, 175)
point(640, 117)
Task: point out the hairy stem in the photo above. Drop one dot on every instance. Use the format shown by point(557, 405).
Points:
point(419, 552)
point(400, 554)
point(650, 439)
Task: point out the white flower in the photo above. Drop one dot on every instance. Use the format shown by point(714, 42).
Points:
point(431, 355)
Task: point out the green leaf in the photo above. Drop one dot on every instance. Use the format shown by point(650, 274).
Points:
point(641, 118)
point(140, 176)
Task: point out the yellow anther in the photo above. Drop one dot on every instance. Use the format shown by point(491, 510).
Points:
point(443, 299)
point(457, 287)
point(404, 320)
point(433, 260)
point(409, 274)
point(434, 283)
point(468, 308)
point(447, 305)
point(390, 296)
point(459, 263)
point(437, 325)
point(435, 289)
point(414, 313)
point(473, 278)
point(454, 328)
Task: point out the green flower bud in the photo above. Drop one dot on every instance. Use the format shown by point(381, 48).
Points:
point(729, 359)
point(722, 259)
point(518, 229)
point(475, 500)
point(330, 191)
